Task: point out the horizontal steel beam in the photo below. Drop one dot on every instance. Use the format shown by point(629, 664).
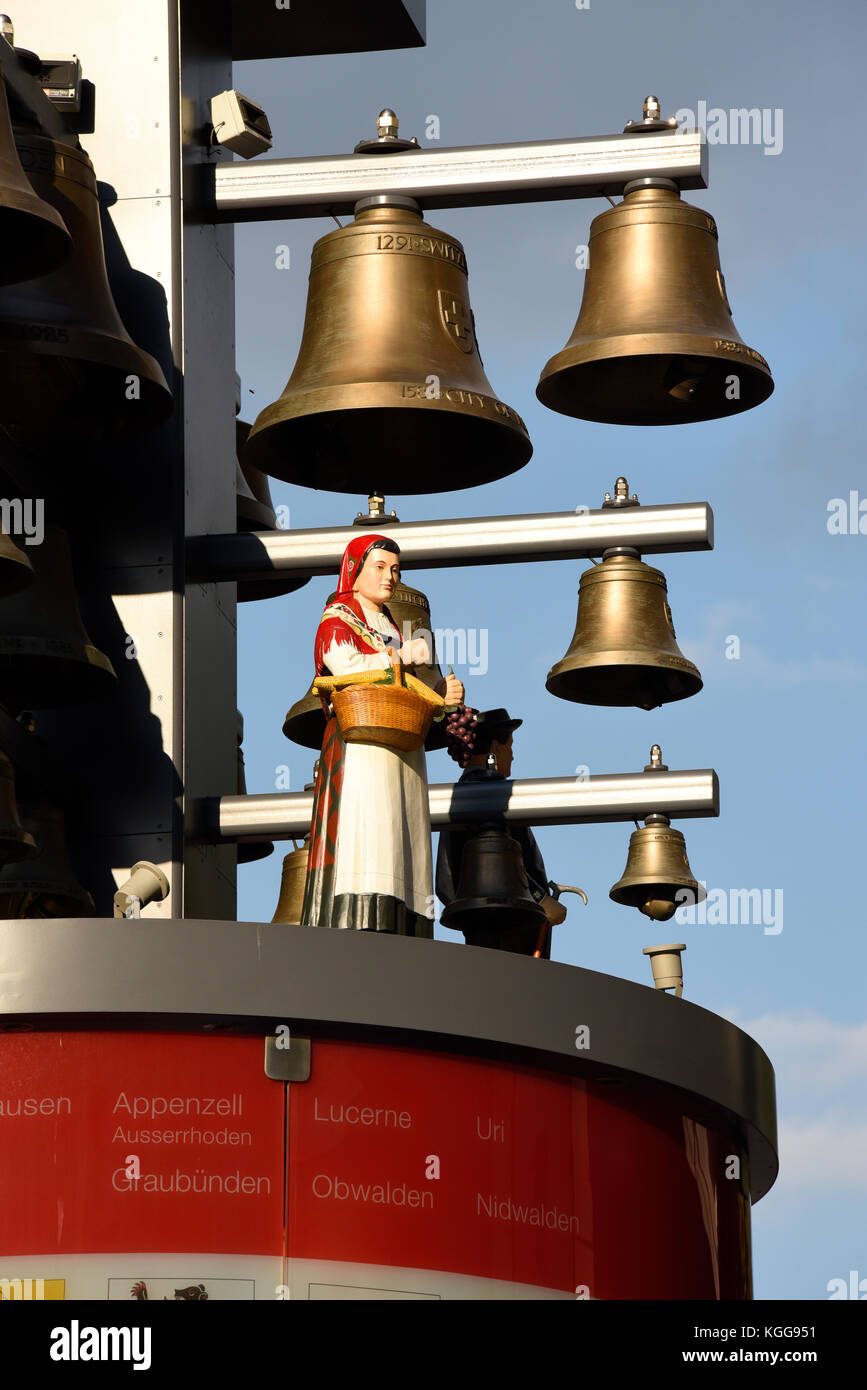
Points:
point(481, 540)
point(476, 175)
point(536, 801)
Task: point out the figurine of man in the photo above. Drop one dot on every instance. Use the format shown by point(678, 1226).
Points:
point(493, 736)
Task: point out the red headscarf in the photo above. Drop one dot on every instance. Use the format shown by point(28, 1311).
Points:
point(333, 626)
point(353, 558)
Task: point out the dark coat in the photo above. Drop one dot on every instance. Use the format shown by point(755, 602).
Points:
point(451, 852)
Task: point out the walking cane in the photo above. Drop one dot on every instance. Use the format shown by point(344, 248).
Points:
point(555, 890)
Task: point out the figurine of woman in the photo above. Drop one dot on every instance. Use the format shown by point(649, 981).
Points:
point(370, 842)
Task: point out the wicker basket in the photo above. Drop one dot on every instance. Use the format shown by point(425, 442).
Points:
point(392, 716)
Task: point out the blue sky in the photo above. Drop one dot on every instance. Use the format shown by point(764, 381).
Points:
point(783, 725)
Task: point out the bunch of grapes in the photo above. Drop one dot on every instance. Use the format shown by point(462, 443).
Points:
point(460, 731)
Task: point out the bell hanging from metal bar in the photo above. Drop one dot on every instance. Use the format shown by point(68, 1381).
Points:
point(15, 842)
point(294, 878)
point(292, 885)
point(45, 884)
point(623, 650)
point(32, 233)
point(657, 878)
point(248, 854)
point(47, 659)
point(410, 609)
point(69, 371)
point(389, 388)
point(494, 904)
point(255, 512)
point(654, 343)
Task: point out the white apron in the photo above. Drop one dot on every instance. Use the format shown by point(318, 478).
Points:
point(384, 837)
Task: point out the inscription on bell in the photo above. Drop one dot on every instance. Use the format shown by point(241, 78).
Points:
point(423, 245)
point(456, 318)
point(412, 390)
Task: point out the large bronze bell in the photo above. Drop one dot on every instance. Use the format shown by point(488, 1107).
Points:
point(255, 512)
point(654, 343)
point(32, 233)
point(15, 842)
point(247, 854)
point(45, 885)
point(47, 659)
point(292, 885)
point(389, 390)
point(494, 899)
point(657, 870)
point(69, 371)
point(305, 722)
point(623, 650)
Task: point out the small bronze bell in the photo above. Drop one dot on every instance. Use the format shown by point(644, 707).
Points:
point(654, 343)
point(494, 899)
point(46, 657)
point(623, 650)
point(46, 885)
point(292, 885)
point(389, 388)
point(71, 374)
point(15, 842)
point(657, 878)
point(248, 854)
point(32, 233)
point(305, 722)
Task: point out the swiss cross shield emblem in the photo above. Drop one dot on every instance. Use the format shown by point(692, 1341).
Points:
point(457, 319)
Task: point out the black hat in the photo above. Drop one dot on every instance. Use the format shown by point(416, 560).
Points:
point(498, 718)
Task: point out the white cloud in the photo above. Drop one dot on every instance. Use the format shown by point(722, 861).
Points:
point(821, 1068)
point(813, 1056)
point(827, 1153)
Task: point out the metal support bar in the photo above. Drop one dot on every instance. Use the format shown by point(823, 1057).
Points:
point(28, 101)
point(473, 176)
point(484, 540)
point(536, 801)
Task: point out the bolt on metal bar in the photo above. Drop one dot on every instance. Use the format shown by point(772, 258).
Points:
point(485, 540)
point(533, 801)
point(471, 176)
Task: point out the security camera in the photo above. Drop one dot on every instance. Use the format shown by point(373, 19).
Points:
point(239, 124)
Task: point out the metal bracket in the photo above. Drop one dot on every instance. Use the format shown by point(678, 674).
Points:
point(537, 801)
point(287, 1057)
point(654, 530)
point(469, 176)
